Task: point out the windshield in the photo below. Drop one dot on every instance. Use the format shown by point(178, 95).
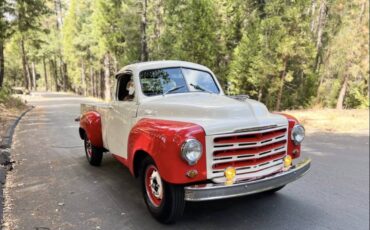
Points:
point(176, 80)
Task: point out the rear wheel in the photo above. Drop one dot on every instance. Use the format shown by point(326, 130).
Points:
point(94, 155)
point(165, 201)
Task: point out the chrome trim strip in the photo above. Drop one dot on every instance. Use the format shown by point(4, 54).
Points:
point(213, 191)
point(255, 129)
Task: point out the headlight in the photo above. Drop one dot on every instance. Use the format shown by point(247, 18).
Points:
point(298, 134)
point(191, 151)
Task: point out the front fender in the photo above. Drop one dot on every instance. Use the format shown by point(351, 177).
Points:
point(90, 123)
point(162, 140)
point(293, 150)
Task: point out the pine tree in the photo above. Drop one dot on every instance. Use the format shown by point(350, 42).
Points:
point(6, 31)
point(190, 32)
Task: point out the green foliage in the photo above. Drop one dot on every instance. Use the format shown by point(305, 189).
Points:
point(276, 53)
point(287, 54)
point(348, 53)
point(190, 33)
point(6, 99)
point(5, 93)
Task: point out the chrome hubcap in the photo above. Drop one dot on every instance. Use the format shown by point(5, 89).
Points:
point(88, 148)
point(156, 185)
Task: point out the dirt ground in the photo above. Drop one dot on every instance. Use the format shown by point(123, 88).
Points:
point(9, 111)
point(333, 121)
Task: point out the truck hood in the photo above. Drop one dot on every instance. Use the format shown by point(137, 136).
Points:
point(217, 114)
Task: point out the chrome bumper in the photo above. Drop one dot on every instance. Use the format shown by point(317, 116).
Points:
point(213, 191)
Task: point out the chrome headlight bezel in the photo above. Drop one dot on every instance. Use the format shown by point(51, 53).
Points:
point(298, 134)
point(191, 151)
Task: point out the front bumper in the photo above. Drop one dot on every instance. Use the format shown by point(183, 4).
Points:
point(213, 191)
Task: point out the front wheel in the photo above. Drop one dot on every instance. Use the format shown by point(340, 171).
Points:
point(94, 155)
point(165, 201)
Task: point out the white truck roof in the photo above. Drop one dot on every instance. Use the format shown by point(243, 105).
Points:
point(138, 67)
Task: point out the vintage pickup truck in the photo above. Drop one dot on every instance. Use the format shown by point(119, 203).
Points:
point(172, 125)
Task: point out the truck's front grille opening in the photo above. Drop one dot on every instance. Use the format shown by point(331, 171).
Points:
point(253, 154)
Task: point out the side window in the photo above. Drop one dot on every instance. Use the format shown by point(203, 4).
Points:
point(125, 88)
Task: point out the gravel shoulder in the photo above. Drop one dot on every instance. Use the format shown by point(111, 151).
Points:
point(10, 113)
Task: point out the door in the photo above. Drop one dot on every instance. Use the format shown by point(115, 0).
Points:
point(123, 111)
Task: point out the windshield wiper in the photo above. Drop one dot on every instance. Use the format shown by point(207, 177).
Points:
point(173, 89)
point(200, 88)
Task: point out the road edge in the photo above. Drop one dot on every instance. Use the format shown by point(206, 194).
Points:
point(7, 140)
point(5, 160)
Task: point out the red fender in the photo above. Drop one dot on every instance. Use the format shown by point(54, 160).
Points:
point(90, 122)
point(291, 146)
point(162, 140)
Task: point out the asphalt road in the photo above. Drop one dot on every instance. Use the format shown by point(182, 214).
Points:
point(53, 187)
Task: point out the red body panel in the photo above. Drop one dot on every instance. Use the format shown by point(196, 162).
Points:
point(291, 146)
point(162, 140)
point(90, 122)
point(121, 159)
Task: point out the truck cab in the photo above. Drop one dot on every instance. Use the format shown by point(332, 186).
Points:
point(172, 125)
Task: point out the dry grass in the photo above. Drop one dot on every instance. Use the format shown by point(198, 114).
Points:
point(331, 120)
point(10, 109)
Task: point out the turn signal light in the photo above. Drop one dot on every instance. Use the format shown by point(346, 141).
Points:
point(192, 173)
point(287, 161)
point(230, 174)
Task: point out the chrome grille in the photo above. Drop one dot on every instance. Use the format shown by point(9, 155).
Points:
point(256, 153)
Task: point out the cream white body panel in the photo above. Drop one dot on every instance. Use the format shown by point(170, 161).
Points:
point(120, 121)
point(217, 114)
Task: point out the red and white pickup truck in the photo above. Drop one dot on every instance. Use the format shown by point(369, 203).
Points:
point(172, 125)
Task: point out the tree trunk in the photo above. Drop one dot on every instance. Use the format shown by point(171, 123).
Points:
point(92, 79)
point(34, 86)
point(321, 21)
point(83, 78)
point(54, 68)
point(313, 9)
point(97, 83)
point(58, 12)
point(144, 44)
point(45, 75)
point(281, 88)
point(101, 84)
point(260, 93)
point(63, 74)
point(1, 63)
point(158, 25)
point(342, 93)
point(107, 76)
point(52, 77)
point(26, 70)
